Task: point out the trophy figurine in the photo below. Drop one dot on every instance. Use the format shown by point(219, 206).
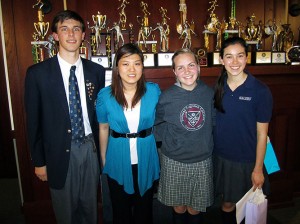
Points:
point(164, 31)
point(285, 38)
point(187, 35)
point(117, 35)
point(123, 17)
point(145, 29)
point(99, 24)
point(272, 30)
point(183, 16)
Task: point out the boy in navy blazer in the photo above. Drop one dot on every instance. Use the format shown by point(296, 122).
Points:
point(70, 166)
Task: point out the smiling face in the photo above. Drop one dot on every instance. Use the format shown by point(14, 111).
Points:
point(186, 70)
point(130, 69)
point(234, 59)
point(70, 35)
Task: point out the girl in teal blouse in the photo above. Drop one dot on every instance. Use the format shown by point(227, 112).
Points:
point(126, 114)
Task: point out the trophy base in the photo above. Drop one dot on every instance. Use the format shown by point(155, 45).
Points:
point(101, 60)
point(263, 57)
point(149, 60)
point(164, 59)
point(278, 58)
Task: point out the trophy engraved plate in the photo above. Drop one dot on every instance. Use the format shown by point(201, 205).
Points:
point(101, 60)
point(216, 58)
point(149, 60)
point(165, 59)
point(263, 57)
point(108, 77)
point(278, 57)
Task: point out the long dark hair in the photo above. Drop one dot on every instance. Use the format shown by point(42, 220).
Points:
point(219, 88)
point(117, 85)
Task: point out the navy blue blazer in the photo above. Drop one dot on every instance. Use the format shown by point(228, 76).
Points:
point(47, 115)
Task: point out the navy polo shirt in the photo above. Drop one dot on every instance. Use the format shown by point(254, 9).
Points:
point(235, 133)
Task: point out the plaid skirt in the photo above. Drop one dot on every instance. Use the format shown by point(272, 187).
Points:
point(189, 184)
point(232, 180)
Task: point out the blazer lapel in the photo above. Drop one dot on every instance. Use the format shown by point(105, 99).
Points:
point(58, 84)
point(90, 98)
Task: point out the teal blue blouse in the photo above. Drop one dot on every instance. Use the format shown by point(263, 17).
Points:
point(118, 164)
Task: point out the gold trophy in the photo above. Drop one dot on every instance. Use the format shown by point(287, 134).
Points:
point(41, 28)
point(183, 16)
point(212, 27)
point(183, 27)
point(164, 31)
point(123, 17)
point(253, 37)
point(99, 24)
point(145, 29)
point(99, 51)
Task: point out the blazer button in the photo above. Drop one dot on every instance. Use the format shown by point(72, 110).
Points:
point(67, 150)
point(69, 131)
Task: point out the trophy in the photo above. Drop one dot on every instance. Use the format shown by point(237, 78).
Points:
point(285, 38)
point(186, 34)
point(253, 36)
point(213, 28)
point(117, 34)
point(232, 29)
point(143, 35)
point(164, 31)
point(183, 27)
point(99, 51)
point(123, 17)
point(271, 29)
point(145, 29)
point(39, 44)
point(183, 16)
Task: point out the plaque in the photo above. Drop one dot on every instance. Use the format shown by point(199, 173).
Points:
point(278, 57)
point(101, 60)
point(263, 57)
point(164, 59)
point(293, 55)
point(108, 77)
point(149, 60)
point(202, 57)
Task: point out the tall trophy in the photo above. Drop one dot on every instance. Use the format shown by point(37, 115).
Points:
point(123, 17)
point(40, 44)
point(98, 40)
point(183, 27)
point(213, 31)
point(253, 37)
point(232, 29)
point(164, 57)
point(271, 29)
point(143, 35)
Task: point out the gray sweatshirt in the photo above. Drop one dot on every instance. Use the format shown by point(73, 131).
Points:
point(184, 123)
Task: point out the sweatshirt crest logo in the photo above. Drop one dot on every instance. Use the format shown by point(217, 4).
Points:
point(192, 117)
